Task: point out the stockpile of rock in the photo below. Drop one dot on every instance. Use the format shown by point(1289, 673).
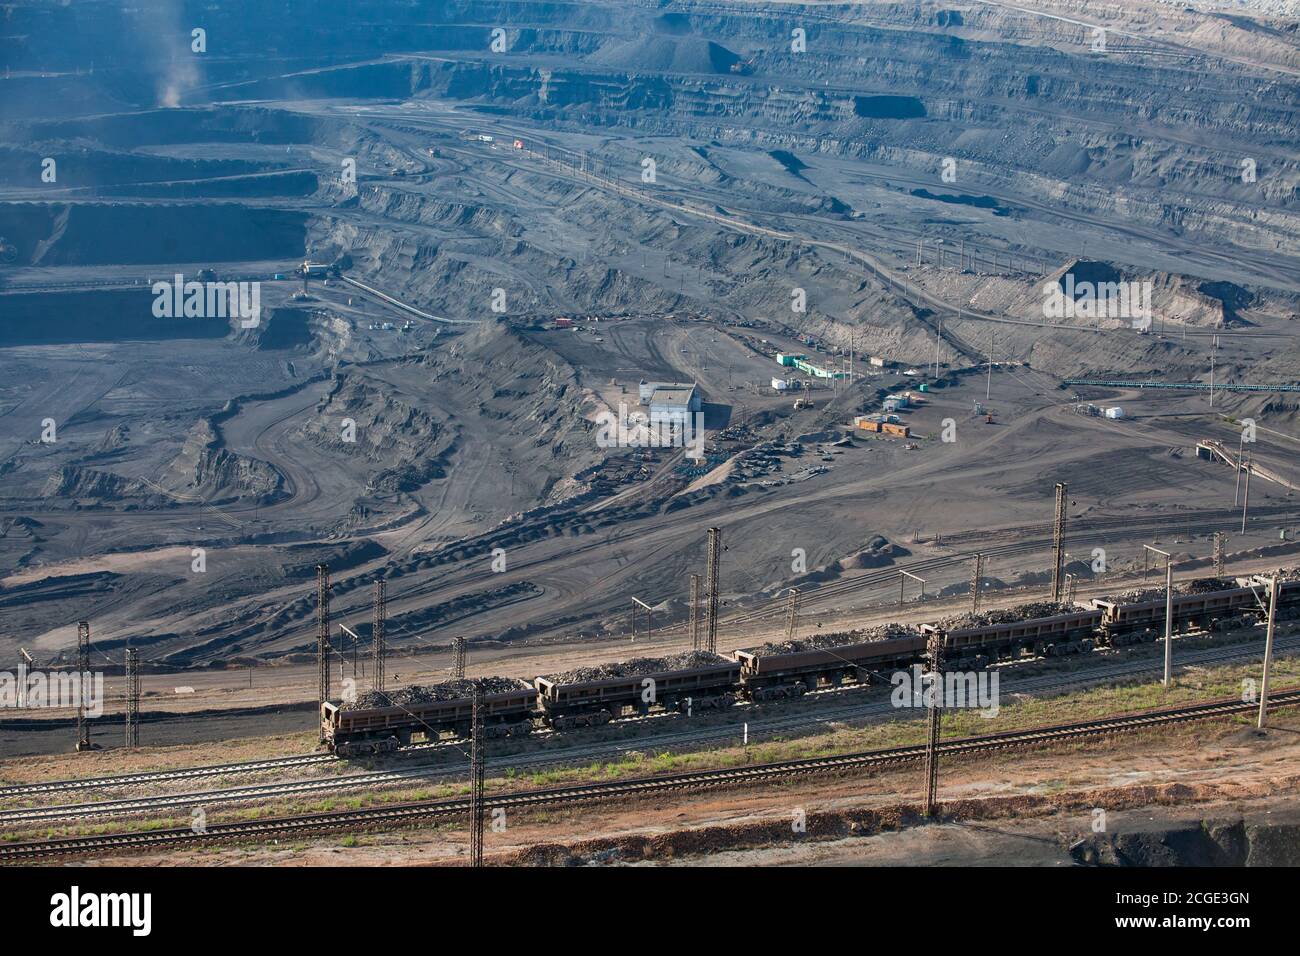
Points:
point(1204, 585)
point(1008, 615)
point(430, 693)
point(1195, 586)
point(816, 642)
point(638, 667)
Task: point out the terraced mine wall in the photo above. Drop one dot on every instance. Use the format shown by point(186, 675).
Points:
point(60, 234)
point(111, 315)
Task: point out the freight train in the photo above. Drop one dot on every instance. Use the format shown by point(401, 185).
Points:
point(757, 676)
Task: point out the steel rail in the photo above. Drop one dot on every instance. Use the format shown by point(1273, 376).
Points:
point(702, 779)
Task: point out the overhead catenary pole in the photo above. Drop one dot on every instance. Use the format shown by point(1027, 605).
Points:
point(938, 338)
point(792, 614)
point(1218, 554)
point(1236, 495)
point(711, 575)
point(935, 703)
point(322, 639)
point(83, 676)
point(1245, 500)
point(1212, 350)
point(378, 641)
point(1169, 611)
point(458, 658)
point(649, 623)
point(476, 774)
point(27, 662)
point(132, 716)
point(693, 621)
point(1268, 650)
point(988, 385)
point(975, 582)
point(1058, 540)
point(902, 582)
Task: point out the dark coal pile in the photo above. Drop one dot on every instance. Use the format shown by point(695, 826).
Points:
point(638, 667)
point(430, 693)
point(1204, 585)
point(1195, 586)
point(816, 642)
point(1009, 615)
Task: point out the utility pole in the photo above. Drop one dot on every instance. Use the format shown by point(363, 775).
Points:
point(458, 658)
point(902, 583)
point(711, 575)
point(1218, 554)
point(1236, 495)
point(1058, 540)
point(1213, 348)
point(975, 582)
point(23, 669)
point(792, 614)
point(1169, 612)
point(377, 638)
point(938, 338)
point(476, 762)
point(1245, 501)
point(649, 623)
point(988, 385)
point(1268, 650)
point(936, 716)
point(83, 674)
point(132, 697)
point(322, 639)
point(693, 620)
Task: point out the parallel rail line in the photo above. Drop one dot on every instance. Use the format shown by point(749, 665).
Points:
point(838, 705)
point(160, 776)
point(433, 809)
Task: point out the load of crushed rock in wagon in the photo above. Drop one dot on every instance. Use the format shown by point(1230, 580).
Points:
point(1007, 615)
point(816, 642)
point(1194, 586)
point(638, 667)
point(430, 693)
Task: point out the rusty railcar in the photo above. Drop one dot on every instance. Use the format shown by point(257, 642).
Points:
point(565, 706)
point(1074, 632)
point(1138, 621)
point(382, 729)
point(779, 676)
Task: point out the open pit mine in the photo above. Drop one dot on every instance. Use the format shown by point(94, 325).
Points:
point(649, 433)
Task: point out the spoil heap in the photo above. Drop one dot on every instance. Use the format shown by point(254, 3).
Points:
point(1009, 615)
point(883, 632)
point(638, 667)
point(417, 694)
point(1195, 586)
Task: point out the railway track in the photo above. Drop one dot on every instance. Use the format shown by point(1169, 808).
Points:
point(161, 776)
point(846, 710)
point(696, 780)
point(838, 705)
